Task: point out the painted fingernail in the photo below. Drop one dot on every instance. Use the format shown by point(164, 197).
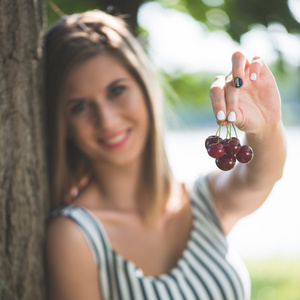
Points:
point(231, 116)
point(253, 76)
point(220, 115)
point(238, 82)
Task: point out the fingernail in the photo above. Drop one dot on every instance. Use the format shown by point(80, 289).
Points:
point(238, 82)
point(231, 116)
point(220, 115)
point(253, 76)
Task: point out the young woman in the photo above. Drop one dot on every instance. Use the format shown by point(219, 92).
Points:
point(122, 227)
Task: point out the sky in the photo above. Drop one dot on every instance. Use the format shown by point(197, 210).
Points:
point(179, 43)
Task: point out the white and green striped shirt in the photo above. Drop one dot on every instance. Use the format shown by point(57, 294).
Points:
point(207, 269)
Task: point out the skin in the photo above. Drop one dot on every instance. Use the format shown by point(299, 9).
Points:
point(257, 106)
point(96, 120)
point(122, 120)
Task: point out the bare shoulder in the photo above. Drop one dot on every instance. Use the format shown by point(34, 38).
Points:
point(71, 270)
point(64, 238)
point(61, 231)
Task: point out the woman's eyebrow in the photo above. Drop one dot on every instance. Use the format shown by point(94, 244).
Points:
point(116, 82)
point(70, 101)
point(113, 83)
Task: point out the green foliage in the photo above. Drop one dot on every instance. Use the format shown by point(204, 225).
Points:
point(128, 8)
point(188, 88)
point(237, 16)
point(188, 103)
point(275, 279)
point(57, 8)
point(188, 94)
point(288, 78)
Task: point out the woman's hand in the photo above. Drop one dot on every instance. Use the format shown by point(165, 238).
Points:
point(255, 103)
point(254, 107)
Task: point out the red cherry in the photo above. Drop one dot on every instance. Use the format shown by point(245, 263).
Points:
point(245, 155)
point(216, 150)
point(212, 139)
point(226, 152)
point(226, 162)
point(232, 146)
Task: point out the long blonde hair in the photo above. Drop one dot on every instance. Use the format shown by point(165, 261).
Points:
point(69, 42)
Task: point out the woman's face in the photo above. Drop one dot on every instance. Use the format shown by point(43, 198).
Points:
point(106, 112)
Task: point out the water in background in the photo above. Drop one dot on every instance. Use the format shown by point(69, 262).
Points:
point(273, 230)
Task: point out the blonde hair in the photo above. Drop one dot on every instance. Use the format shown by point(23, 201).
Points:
point(69, 42)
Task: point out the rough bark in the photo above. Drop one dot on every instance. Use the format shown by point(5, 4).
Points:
point(23, 174)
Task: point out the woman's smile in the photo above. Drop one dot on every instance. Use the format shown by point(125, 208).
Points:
point(107, 113)
point(116, 140)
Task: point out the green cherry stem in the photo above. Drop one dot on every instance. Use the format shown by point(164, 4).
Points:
point(228, 131)
point(218, 133)
point(235, 131)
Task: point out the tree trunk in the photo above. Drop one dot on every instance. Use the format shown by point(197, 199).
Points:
point(23, 172)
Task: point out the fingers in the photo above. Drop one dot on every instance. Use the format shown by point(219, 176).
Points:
point(217, 95)
point(239, 64)
point(255, 68)
point(231, 99)
point(224, 99)
point(242, 67)
point(225, 90)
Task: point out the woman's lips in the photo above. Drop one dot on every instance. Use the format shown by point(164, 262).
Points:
point(115, 140)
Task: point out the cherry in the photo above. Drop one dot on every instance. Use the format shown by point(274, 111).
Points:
point(245, 155)
point(232, 146)
point(226, 162)
point(212, 139)
point(216, 150)
point(227, 151)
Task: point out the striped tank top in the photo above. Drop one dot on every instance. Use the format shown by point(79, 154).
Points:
point(207, 270)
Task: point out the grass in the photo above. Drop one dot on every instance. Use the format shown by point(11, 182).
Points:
point(275, 279)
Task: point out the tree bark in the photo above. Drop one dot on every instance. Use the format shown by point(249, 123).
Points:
point(23, 171)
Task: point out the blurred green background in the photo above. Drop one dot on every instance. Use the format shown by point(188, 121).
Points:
point(186, 89)
point(275, 279)
point(211, 29)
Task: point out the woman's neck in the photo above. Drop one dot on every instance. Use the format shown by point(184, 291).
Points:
point(120, 188)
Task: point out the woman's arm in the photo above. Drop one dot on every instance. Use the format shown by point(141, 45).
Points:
point(72, 273)
point(257, 107)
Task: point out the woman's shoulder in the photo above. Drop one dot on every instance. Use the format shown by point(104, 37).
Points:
point(199, 190)
point(62, 230)
point(66, 252)
point(203, 203)
point(69, 223)
point(63, 240)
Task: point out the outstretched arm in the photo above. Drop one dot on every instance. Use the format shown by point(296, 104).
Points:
point(255, 108)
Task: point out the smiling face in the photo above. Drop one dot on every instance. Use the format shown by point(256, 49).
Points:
point(106, 112)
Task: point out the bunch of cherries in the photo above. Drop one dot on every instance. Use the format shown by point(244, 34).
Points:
point(229, 150)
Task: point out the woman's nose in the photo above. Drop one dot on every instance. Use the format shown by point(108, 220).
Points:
point(106, 115)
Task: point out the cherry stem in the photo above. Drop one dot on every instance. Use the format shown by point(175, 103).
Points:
point(228, 133)
point(219, 131)
point(235, 131)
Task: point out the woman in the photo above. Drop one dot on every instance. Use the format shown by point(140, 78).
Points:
point(122, 226)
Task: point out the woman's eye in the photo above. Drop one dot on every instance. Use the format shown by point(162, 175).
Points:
point(79, 107)
point(116, 91)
